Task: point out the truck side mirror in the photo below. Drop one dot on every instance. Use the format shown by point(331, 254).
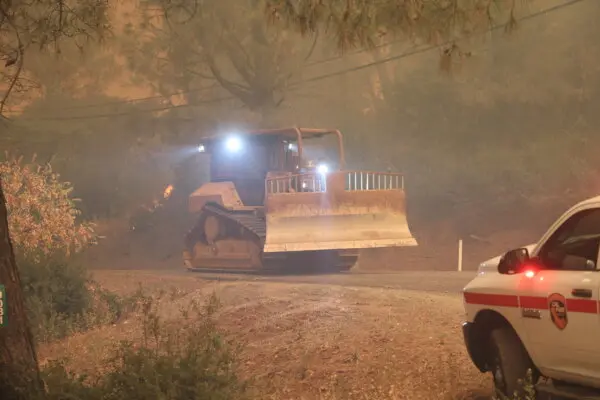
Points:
point(513, 261)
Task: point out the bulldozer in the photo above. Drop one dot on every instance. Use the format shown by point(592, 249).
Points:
point(268, 205)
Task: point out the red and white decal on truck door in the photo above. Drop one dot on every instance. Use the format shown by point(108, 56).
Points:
point(540, 303)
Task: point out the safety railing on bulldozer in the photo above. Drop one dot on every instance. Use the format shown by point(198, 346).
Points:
point(367, 180)
point(308, 182)
point(317, 183)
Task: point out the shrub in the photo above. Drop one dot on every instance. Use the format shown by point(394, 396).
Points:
point(172, 362)
point(56, 296)
point(528, 386)
point(61, 284)
point(61, 299)
point(42, 216)
point(44, 227)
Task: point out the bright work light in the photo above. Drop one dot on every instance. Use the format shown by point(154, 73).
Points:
point(322, 169)
point(233, 144)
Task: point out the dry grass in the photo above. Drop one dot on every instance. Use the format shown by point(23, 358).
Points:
point(310, 341)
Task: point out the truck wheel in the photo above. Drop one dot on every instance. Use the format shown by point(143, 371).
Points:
point(509, 362)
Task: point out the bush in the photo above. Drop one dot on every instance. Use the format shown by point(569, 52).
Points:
point(528, 386)
point(44, 228)
point(42, 216)
point(57, 283)
point(61, 299)
point(173, 362)
point(56, 296)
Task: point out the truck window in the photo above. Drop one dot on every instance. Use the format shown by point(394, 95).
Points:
point(579, 236)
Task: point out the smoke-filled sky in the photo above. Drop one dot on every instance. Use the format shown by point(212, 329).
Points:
point(537, 62)
point(405, 114)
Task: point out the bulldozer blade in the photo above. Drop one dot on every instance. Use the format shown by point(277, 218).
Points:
point(336, 219)
point(337, 232)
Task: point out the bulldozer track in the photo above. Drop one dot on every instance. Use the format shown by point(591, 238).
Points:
point(247, 219)
point(255, 228)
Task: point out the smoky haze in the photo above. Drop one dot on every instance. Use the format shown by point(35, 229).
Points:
point(498, 140)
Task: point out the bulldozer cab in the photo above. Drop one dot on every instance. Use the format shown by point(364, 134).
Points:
point(277, 150)
point(248, 159)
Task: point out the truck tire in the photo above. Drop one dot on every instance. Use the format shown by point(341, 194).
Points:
point(509, 362)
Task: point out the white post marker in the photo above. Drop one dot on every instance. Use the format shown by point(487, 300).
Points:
point(460, 254)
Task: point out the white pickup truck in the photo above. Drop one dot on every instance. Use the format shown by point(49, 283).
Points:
point(537, 308)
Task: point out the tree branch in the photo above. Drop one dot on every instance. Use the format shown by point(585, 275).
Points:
point(354, 22)
point(235, 89)
point(20, 60)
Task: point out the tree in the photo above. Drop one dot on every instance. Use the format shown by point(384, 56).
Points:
point(18, 360)
point(43, 24)
point(224, 43)
point(364, 22)
point(24, 26)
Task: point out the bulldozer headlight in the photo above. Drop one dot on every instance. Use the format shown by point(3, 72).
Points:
point(201, 148)
point(322, 169)
point(233, 144)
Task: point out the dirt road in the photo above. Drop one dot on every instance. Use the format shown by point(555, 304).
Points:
point(424, 281)
point(348, 336)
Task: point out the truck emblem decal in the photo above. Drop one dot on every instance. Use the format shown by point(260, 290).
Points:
point(558, 310)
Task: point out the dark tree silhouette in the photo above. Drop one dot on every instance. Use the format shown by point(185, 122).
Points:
point(19, 373)
point(37, 24)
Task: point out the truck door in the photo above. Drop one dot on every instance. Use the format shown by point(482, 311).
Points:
point(559, 303)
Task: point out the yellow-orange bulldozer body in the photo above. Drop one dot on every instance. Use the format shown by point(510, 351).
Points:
point(303, 214)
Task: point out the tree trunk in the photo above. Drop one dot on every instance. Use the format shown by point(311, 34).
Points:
point(19, 371)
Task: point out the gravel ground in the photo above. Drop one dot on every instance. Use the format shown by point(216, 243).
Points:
point(427, 281)
point(351, 336)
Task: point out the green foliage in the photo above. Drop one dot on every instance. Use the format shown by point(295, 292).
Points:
point(61, 298)
point(60, 284)
point(528, 388)
point(182, 362)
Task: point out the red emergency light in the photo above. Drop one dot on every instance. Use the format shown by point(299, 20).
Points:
point(530, 273)
point(530, 270)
